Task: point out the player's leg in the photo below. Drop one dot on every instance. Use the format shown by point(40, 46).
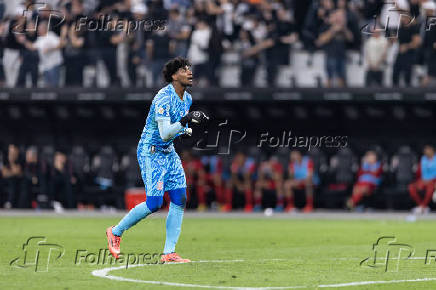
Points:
point(153, 178)
point(175, 185)
point(174, 225)
point(152, 175)
point(136, 214)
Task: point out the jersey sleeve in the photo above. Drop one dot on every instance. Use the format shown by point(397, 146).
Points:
point(162, 107)
point(168, 130)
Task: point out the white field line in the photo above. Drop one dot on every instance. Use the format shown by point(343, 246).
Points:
point(359, 259)
point(360, 283)
point(104, 273)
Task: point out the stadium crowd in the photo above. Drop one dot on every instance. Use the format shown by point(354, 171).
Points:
point(287, 181)
point(261, 33)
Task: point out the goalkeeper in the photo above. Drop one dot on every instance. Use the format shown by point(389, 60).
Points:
point(161, 168)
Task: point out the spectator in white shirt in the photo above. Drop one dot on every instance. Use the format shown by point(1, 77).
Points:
point(198, 51)
point(49, 47)
point(375, 51)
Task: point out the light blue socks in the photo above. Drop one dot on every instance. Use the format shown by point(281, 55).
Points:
point(141, 211)
point(136, 214)
point(173, 227)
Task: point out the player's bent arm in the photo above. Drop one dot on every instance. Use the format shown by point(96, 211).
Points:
point(168, 130)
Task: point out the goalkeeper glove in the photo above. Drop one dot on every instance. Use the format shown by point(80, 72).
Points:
point(196, 117)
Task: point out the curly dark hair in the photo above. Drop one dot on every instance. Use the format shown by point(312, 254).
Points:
point(172, 66)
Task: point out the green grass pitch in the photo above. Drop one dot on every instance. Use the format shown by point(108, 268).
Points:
point(233, 252)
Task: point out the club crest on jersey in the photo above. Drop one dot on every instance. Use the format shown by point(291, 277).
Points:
point(161, 110)
point(159, 185)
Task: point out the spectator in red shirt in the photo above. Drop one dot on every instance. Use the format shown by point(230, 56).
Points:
point(368, 178)
point(426, 177)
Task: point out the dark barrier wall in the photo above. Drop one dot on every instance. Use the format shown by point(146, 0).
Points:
point(361, 117)
point(229, 94)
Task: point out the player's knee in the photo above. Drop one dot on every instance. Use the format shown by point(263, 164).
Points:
point(154, 203)
point(178, 197)
point(181, 200)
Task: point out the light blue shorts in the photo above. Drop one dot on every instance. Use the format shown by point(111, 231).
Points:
point(161, 171)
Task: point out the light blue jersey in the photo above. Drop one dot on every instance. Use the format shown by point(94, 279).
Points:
point(161, 168)
point(166, 105)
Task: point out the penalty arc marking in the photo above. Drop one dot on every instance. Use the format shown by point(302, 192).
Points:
point(104, 273)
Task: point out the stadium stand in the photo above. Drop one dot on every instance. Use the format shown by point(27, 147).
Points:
point(275, 41)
